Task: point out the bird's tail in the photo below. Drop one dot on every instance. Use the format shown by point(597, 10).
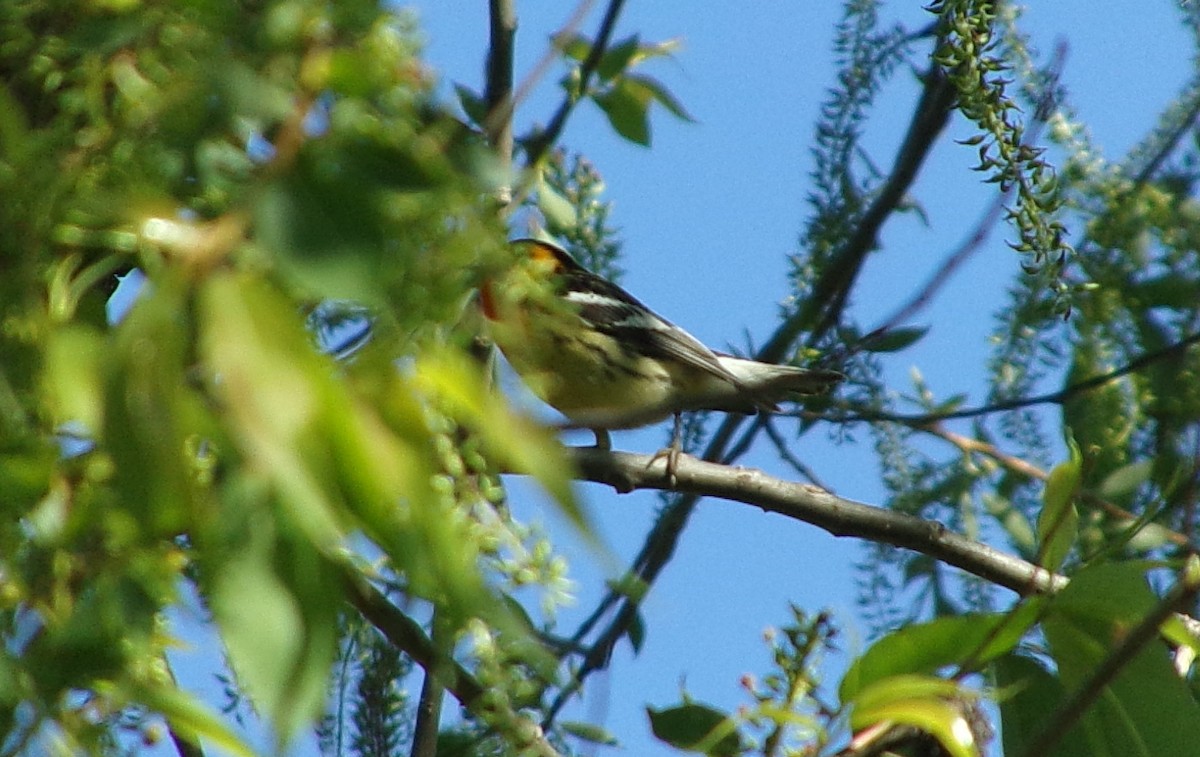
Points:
point(774, 383)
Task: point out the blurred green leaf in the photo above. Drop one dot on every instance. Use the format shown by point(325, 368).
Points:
point(576, 47)
point(191, 719)
point(514, 441)
point(472, 103)
point(263, 628)
point(925, 648)
point(327, 232)
point(659, 92)
point(74, 376)
point(696, 728)
point(1058, 522)
point(1169, 291)
point(1126, 479)
point(627, 106)
point(905, 686)
point(933, 705)
point(262, 364)
point(1028, 693)
point(895, 340)
point(152, 410)
point(1083, 625)
point(617, 58)
point(557, 210)
point(593, 734)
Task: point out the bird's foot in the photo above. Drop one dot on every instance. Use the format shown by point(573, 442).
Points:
point(672, 452)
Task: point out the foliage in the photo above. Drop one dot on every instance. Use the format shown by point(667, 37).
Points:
point(289, 422)
point(251, 165)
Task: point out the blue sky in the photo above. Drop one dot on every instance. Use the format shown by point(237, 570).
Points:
point(708, 216)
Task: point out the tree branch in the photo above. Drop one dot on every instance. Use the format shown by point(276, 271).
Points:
point(502, 29)
point(407, 636)
point(833, 288)
point(810, 504)
point(785, 453)
point(429, 707)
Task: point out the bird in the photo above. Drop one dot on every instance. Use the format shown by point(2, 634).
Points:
point(606, 361)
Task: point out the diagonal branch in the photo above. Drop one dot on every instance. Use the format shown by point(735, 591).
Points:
point(408, 636)
point(831, 293)
point(543, 140)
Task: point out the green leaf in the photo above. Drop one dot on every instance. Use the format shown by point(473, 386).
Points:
point(472, 103)
point(576, 47)
point(525, 447)
point(696, 728)
point(1147, 711)
point(557, 210)
point(1169, 291)
point(927, 647)
point(1028, 694)
point(1124, 480)
point(662, 95)
point(151, 411)
point(637, 632)
point(330, 244)
point(192, 720)
point(1058, 523)
point(75, 369)
point(933, 705)
point(617, 58)
point(901, 687)
point(264, 368)
point(262, 628)
point(593, 734)
point(627, 107)
point(895, 340)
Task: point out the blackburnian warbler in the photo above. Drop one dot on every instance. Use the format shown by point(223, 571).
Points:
point(604, 360)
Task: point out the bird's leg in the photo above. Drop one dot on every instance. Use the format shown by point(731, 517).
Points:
point(675, 450)
point(672, 451)
point(603, 440)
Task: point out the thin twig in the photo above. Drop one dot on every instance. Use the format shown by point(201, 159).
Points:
point(968, 445)
point(1058, 397)
point(991, 216)
point(1182, 129)
point(542, 141)
point(185, 746)
point(972, 244)
point(407, 635)
point(429, 707)
point(539, 69)
point(781, 447)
